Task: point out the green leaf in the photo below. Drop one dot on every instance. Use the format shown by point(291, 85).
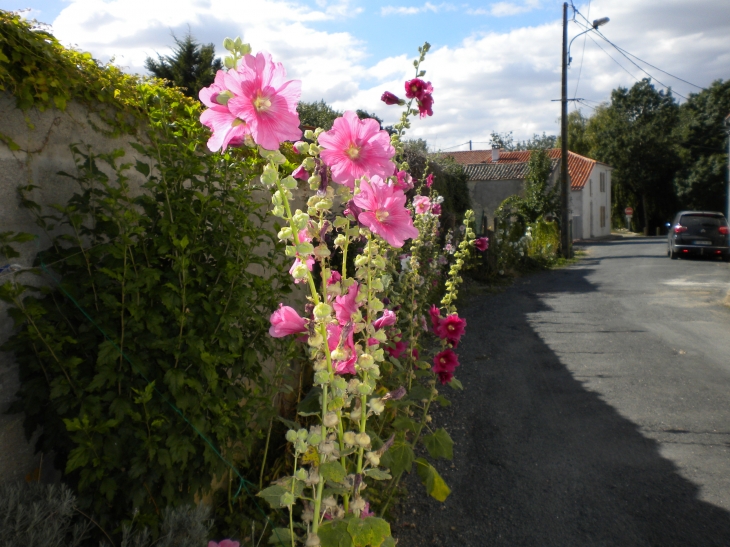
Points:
point(281, 536)
point(143, 168)
point(439, 444)
point(333, 471)
point(443, 401)
point(378, 474)
point(456, 384)
point(419, 393)
point(273, 494)
point(399, 457)
point(404, 423)
point(334, 534)
point(288, 423)
point(435, 485)
point(371, 531)
point(310, 405)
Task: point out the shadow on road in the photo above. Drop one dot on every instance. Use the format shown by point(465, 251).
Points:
point(539, 459)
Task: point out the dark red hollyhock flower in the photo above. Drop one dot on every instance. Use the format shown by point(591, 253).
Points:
point(451, 328)
point(417, 88)
point(481, 243)
point(425, 105)
point(389, 98)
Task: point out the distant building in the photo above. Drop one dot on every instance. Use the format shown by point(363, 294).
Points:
point(495, 175)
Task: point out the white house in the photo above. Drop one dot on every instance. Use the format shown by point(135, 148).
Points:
point(495, 175)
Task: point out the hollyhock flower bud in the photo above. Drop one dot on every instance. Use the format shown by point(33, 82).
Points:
point(291, 436)
point(366, 361)
point(334, 278)
point(349, 438)
point(330, 419)
point(322, 310)
point(387, 319)
point(376, 405)
point(362, 439)
point(389, 98)
point(373, 458)
point(312, 540)
point(301, 474)
point(301, 147)
point(300, 173)
point(285, 321)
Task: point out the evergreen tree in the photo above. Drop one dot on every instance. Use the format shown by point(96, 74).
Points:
point(191, 66)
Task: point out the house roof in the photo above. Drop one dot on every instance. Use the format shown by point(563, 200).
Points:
point(479, 165)
point(500, 171)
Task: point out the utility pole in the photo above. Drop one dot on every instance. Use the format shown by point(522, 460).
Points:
point(727, 130)
point(565, 236)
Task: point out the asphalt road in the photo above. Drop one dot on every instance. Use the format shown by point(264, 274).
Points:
point(596, 410)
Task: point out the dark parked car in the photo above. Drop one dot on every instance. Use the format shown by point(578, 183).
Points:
point(699, 233)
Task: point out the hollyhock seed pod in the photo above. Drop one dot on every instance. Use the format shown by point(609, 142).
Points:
point(291, 436)
point(356, 415)
point(315, 340)
point(322, 310)
point(349, 438)
point(287, 499)
point(301, 474)
point(326, 448)
point(365, 361)
point(376, 405)
point(312, 540)
point(331, 420)
point(339, 354)
point(362, 439)
point(357, 505)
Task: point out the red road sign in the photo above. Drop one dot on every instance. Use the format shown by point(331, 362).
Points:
point(629, 211)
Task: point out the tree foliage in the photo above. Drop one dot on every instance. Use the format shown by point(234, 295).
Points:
point(579, 138)
point(634, 134)
point(317, 114)
point(701, 180)
point(191, 66)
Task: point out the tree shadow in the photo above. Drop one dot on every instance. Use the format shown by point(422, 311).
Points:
point(540, 460)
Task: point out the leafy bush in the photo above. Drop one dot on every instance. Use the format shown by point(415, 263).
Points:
point(157, 330)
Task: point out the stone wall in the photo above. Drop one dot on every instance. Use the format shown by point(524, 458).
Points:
point(44, 139)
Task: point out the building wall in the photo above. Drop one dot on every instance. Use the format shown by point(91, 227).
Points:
point(487, 195)
point(597, 203)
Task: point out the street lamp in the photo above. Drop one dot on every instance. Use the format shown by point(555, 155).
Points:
point(565, 233)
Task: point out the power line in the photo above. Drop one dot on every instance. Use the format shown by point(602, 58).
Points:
point(614, 60)
point(583, 53)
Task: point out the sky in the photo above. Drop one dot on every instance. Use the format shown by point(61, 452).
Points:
point(494, 65)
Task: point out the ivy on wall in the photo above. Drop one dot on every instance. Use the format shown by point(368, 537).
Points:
point(151, 339)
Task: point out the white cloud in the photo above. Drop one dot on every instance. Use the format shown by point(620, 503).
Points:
point(502, 9)
point(501, 81)
point(413, 10)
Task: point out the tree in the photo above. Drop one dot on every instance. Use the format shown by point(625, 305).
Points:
point(635, 135)
point(700, 183)
point(540, 198)
point(538, 142)
point(364, 115)
point(317, 114)
point(191, 67)
point(578, 138)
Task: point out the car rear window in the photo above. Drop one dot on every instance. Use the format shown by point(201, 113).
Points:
point(702, 220)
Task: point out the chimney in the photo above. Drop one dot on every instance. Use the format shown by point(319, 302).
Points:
point(495, 153)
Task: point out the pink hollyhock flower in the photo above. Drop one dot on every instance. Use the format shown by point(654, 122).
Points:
point(387, 319)
point(373, 342)
point(436, 209)
point(334, 278)
point(435, 314)
point(384, 211)
point(417, 88)
point(414, 353)
point(445, 361)
point(346, 366)
point(303, 235)
point(389, 98)
point(397, 349)
point(354, 148)
point(228, 130)
point(404, 181)
point(451, 328)
point(297, 261)
point(300, 173)
point(422, 204)
point(265, 100)
point(285, 321)
point(345, 305)
point(481, 243)
point(224, 543)
point(425, 105)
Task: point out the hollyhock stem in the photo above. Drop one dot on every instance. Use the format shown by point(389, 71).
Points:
point(344, 250)
point(394, 483)
point(364, 398)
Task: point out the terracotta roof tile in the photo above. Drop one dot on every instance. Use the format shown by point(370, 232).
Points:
point(500, 171)
point(579, 167)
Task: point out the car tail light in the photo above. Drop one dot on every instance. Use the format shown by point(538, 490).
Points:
point(678, 229)
point(724, 230)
